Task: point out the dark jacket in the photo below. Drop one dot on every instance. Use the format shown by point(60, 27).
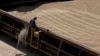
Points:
point(33, 23)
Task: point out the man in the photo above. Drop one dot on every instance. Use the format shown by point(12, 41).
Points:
point(33, 29)
point(33, 23)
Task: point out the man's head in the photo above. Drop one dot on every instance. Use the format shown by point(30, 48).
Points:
point(34, 18)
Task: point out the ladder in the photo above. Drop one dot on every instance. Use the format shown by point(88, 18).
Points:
point(34, 38)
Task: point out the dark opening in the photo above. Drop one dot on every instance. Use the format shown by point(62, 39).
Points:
point(70, 49)
point(18, 25)
point(7, 20)
point(51, 40)
point(63, 54)
point(83, 53)
point(49, 49)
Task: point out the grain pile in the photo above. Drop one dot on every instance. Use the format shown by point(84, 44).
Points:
point(73, 20)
